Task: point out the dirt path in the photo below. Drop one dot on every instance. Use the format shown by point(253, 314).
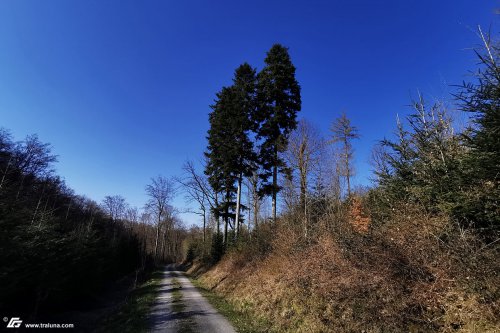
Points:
point(181, 308)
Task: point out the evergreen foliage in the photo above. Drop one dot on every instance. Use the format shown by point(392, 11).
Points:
point(219, 168)
point(230, 151)
point(278, 101)
point(423, 165)
point(480, 205)
point(443, 171)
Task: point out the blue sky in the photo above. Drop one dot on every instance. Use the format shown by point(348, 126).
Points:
point(121, 89)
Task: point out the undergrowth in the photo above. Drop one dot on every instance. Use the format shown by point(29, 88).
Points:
point(413, 272)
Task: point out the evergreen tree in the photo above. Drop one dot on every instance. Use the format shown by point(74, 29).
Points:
point(219, 168)
point(242, 123)
point(423, 165)
point(278, 101)
point(230, 150)
point(482, 100)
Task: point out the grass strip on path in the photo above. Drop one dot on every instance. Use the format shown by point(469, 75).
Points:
point(186, 323)
point(243, 322)
point(133, 315)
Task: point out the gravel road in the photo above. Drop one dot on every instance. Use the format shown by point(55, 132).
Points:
point(190, 313)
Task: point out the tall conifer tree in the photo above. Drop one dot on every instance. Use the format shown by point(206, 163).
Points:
point(482, 99)
point(242, 123)
point(218, 168)
point(230, 151)
point(278, 101)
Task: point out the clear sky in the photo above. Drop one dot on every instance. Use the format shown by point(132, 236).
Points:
point(121, 89)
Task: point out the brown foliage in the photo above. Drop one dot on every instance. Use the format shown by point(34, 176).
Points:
point(359, 220)
point(412, 273)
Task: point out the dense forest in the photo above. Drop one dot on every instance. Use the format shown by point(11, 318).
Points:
point(417, 251)
point(60, 250)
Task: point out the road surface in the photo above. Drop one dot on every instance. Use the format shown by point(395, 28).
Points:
point(181, 308)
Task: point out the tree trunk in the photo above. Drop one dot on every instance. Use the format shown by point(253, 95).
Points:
point(249, 218)
point(275, 182)
point(38, 204)
point(89, 226)
point(44, 212)
point(20, 187)
point(5, 172)
point(255, 215)
point(347, 171)
point(67, 211)
point(164, 238)
point(303, 187)
point(204, 225)
point(156, 239)
point(237, 218)
point(255, 199)
point(226, 218)
point(275, 190)
point(302, 164)
point(216, 215)
point(36, 209)
point(225, 229)
point(303, 191)
point(306, 220)
point(218, 226)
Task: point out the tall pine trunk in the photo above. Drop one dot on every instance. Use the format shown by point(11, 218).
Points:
point(226, 218)
point(238, 202)
point(255, 198)
point(218, 226)
point(216, 214)
point(275, 182)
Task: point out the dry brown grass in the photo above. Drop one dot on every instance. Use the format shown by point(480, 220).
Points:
point(413, 273)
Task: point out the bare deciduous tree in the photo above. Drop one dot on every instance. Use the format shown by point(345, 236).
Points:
point(303, 155)
point(114, 206)
point(343, 133)
point(198, 190)
point(161, 191)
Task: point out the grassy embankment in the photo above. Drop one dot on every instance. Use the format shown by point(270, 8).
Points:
point(415, 273)
point(243, 321)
